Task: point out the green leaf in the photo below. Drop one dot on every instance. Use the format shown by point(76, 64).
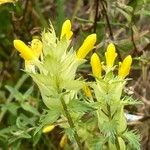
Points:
point(79, 106)
point(133, 139)
point(36, 138)
point(30, 108)
point(11, 107)
point(97, 142)
point(23, 121)
point(28, 92)
point(109, 129)
point(143, 12)
point(19, 134)
point(15, 93)
point(49, 117)
point(130, 101)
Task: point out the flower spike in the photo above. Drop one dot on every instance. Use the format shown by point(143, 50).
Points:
point(125, 67)
point(66, 30)
point(110, 55)
point(96, 65)
point(25, 52)
point(87, 46)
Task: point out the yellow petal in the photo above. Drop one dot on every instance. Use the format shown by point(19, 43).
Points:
point(36, 46)
point(66, 30)
point(63, 141)
point(87, 46)
point(25, 52)
point(48, 128)
point(96, 65)
point(87, 91)
point(110, 55)
point(125, 67)
point(7, 1)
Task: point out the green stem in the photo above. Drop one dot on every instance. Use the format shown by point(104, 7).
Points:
point(71, 124)
point(110, 117)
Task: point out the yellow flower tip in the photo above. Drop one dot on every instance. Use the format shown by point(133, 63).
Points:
point(7, 1)
point(25, 52)
point(96, 65)
point(110, 55)
point(36, 46)
point(66, 30)
point(87, 91)
point(48, 128)
point(63, 141)
point(87, 46)
point(125, 66)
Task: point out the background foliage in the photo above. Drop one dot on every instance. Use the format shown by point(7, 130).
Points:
point(125, 22)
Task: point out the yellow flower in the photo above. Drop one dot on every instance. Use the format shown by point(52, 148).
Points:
point(48, 128)
point(36, 46)
point(96, 65)
point(110, 55)
point(66, 30)
point(63, 141)
point(25, 52)
point(87, 46)
point(87, 91)
point(124, 68)
point(7, 1)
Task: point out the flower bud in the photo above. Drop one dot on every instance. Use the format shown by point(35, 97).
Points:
point(87, 91)
point(110, 55)
point(48, 128)
point(125, 67)
point(96, 65)
point(63, 141)
point(7, 1)
point(87, 46)
point(66, 30)
point(25, 52)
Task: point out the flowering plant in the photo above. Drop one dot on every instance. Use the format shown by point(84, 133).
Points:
point(94, 120)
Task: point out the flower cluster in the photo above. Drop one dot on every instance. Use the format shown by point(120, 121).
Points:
point(110, 55)
point(53, 66)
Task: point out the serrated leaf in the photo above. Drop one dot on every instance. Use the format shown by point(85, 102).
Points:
point(133, 139)
point(98, 142)
point(130, 101)
point(50, 117)
point(109, 129)
point(79, 106)
point(70, 133)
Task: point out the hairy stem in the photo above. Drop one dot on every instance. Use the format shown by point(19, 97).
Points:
point(71, 124)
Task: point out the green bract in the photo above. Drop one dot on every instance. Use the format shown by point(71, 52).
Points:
point(55, 72)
